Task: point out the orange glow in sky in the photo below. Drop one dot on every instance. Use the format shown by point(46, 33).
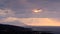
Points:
point(40, 22)
point(34, 21)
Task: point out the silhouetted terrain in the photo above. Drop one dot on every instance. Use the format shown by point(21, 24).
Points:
point(10, 29)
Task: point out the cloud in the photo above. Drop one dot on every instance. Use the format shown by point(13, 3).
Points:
point(25, 7)
point(17, 4)
point(43, 22)
point(40, 21)
point(12, 21)
point(6, 13)
point(20, 11)
point(9, 19)
point(34, 21)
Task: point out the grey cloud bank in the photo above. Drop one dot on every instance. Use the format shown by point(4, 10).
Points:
point(24, 7)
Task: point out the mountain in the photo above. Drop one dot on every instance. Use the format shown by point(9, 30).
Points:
point(11, 29)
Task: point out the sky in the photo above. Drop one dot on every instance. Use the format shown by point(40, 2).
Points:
point(19, 12)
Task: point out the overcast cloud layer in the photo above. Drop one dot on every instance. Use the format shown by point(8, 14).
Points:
point(20, 11)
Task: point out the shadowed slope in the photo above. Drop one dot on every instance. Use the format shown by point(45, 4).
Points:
point(11, 29)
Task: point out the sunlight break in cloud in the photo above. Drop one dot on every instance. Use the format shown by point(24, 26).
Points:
point(40, 22)
point(34, 21)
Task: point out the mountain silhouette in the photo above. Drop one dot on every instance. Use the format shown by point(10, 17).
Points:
point(11, 29)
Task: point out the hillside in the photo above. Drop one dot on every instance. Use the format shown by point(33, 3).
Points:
point(11, 29)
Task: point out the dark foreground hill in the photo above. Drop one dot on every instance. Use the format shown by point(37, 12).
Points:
point(10, 29)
